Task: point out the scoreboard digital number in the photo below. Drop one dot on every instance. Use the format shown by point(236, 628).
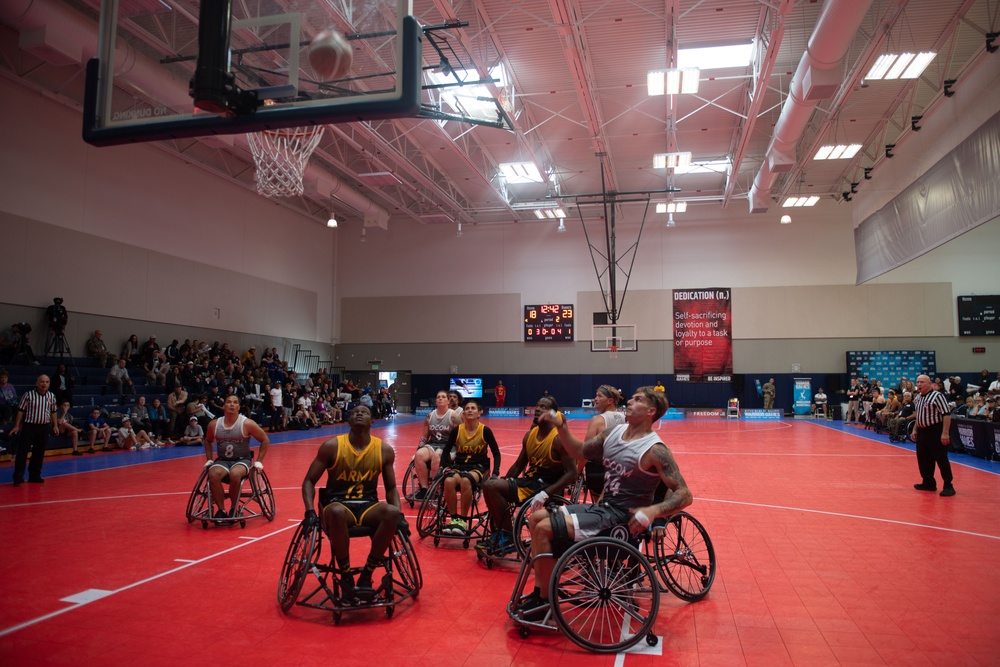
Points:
point(551, 322)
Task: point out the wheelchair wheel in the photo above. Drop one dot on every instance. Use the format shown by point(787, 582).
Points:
point(431, 510)
point(302, 552)
point(199, 502)
point(261, 487)
point(410, 484)
point(684, 558)
point(605, 596)
point(522, 536)
point(406, 569)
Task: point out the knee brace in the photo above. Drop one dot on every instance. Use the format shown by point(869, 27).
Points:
point(560, 534)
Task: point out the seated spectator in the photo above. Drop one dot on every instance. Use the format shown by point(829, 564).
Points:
point(62, 384)
point(159, 422)
point(147, 350)
point(156, 369)
point(198, 409)
point(978, 408)
point(127, 438)
point(177, 409)
point(194, 434)
point(989, 412)
point(98, 428)
point(97, 351)
point(819, 402)
point(140, 415)
point(994, 388)
point(130, 351)
point(889, 410)
point(64, 424)
point(172, 352)
point(877, 403)
point(963, 408)
point(119, 379)
point(8, 399)
point(907, 413)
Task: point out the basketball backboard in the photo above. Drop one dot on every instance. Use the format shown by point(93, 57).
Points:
point(154, 55)
point(621, 337)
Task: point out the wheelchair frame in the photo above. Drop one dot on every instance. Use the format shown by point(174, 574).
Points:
point(432, 513)
point(603, 585)
point(401, 577)
point(199, 506)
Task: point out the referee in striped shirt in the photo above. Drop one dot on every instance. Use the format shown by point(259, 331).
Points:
point(36, 418)
point(932, 435)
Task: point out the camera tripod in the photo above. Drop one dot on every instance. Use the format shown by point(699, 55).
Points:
point(58, 345)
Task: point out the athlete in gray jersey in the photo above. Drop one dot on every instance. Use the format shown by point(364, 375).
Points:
point(232, 431)
point(437, 427)
point(606, 400)
point(637, 461)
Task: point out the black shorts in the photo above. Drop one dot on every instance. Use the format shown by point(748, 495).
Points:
point(358, 508)
point(522, 488)
point(598, 519)
point(474, 474)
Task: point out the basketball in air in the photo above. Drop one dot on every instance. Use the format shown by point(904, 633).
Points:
point(330, 55)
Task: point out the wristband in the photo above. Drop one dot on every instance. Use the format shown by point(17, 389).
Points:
point(258, 465)
point(209, 462)
point(641, 517)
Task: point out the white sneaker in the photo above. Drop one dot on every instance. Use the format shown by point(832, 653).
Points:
point(145, 445)
point(132, 448)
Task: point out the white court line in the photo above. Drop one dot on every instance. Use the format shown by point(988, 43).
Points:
point(854, 516)
point(59, 612)
point(183, 560)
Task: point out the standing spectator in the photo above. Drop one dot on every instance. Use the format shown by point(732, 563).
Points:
point(768, 391)
point(176, 407)
point(159, 421)
point(147, 350)
point(97, 427)
point(932, 437)
point(500, 394)
point(64, 426)
point(956, 391)
point(277, 414)
point(62, 384)
point(659, 387)
point(97, 350)
point(36, 416)
point(994, 388)
point(130, 351)
point(853, 401)
point(118, 378)
point(8, 399)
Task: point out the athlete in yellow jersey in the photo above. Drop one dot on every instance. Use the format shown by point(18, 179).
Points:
point(354, 462)
point(469, 440)
point(549, 471)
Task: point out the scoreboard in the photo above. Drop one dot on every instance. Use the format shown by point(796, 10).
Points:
point(977, 315)
point(550, 322)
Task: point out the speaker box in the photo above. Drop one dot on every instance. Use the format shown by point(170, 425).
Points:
point(600, 318)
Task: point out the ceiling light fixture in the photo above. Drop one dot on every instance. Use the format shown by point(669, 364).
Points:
point(364, 235)
point(459, 232)
point(673, 81)
point(562, 226)
point(900, 66)
point(671, 160)
point(520, 172)
point(800, 201)
point(786, 219)
point(332, 222)
point(549, 213)
point(672, 207)
point(670, 221)
point(837, 152)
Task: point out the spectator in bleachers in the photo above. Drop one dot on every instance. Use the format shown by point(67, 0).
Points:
point(147, 350)
point(956, 392)
point(287, 402)
point(877, 402)
point(907, 413)
point(962, 410)
point(994, 388)
point(177, 409)
point(216, 400)
point(128, 438)
point(250, 356)
point(62, 384)
point(156, 370)
point(130, 351)
point(277, 413)
point(64, 424)
point(172, 352)
point(194, 434)
point(119, 379)
point(889, 410)
point(978, 407)
point(140, 415)
point(198, 409)
point(159, 421)
point(8, 399)
point(989, 413)
point(98, 428)
point(97, 351)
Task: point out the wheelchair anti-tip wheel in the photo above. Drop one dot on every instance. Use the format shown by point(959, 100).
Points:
point(684, 557)
point(604, 595)
point(303, 551)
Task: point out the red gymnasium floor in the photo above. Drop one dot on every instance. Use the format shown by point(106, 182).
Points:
point(826, 555)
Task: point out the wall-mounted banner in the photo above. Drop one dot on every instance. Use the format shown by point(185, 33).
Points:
point(802, 396)
point(703, 338)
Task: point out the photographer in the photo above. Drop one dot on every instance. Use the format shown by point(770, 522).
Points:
point(56, 318)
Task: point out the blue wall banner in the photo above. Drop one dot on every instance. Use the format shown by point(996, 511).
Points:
point(802, 396)
point(762, 415)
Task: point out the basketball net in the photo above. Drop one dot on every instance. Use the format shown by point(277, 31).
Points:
point(281, 157)
point(614, 351)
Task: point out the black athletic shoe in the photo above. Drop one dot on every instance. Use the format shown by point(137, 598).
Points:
point(220, 517)
point(947, 491)
point(420, 494)
point(533, 608)
point(18, 482)
point(925, 487)
point(347, 592)
point(36, 480)
point(77, 452)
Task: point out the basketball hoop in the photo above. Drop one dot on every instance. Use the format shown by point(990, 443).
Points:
point(281, 157)
point(614, 351)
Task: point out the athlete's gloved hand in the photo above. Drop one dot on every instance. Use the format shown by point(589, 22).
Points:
point(258, 465)
point(538, 500)
point(311, 519)
point(403, 526)
point(209, 462)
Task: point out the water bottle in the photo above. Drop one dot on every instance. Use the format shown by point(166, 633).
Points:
point(91, 401)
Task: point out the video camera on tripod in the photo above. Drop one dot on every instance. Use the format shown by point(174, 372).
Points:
point(56, 315)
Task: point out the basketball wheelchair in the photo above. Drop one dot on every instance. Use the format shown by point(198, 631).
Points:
point(604, 594)
point(400, 580)
point(256, 499)
point(433, 513)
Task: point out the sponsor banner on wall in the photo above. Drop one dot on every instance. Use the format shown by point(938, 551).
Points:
point(422, 411)
point(673, 413)
point(966, 435)
point(703, 340)
point(704, 412)
point(504, 412)
point(761, 415)
point(802, 395)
